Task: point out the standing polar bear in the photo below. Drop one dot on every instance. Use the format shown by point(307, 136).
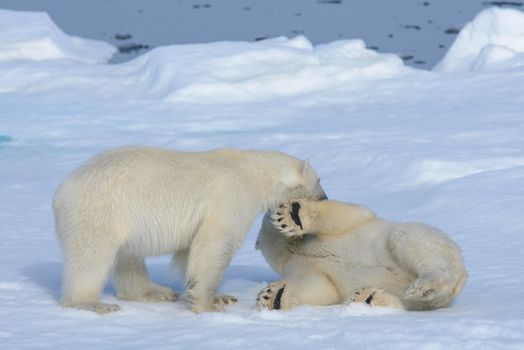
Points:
point(330, 252)
point(129, 203)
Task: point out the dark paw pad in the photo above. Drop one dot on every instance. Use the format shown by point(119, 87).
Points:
point(278, 298)
point(295, 208)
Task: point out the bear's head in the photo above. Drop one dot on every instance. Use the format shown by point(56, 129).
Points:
point(304, 183)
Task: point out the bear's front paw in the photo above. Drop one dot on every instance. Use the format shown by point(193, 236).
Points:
point(293, 219)
point(222, 299)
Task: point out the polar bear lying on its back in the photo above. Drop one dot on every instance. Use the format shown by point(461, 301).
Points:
point(337, 252)
point(129, 203)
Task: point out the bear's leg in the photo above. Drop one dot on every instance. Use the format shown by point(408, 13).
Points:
point(375, 297)
point(325, 217)
point(180, 259)
point(132, 281)
point(428, 254)
point(209, 255)
point(307, 289)
point(85, 274)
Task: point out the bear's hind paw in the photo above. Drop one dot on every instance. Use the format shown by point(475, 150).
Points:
point(225, 299)
point(99, 308)
point(271, 297)
point(375, 297)
point(428, 288)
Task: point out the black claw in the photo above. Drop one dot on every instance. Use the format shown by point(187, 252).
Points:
point(280, 219)
point(265, 297)
point(283, 226)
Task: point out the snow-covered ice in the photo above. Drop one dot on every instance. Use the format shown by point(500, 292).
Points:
point(443, 147)
point(33, 36)
point(494, 40)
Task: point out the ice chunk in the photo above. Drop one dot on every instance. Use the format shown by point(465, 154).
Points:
point(493, 40)
point(34, 36)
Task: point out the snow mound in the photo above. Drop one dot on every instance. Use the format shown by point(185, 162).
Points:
point(34, 36)
point(220, 72)
point(494, 40)
point(247, 71)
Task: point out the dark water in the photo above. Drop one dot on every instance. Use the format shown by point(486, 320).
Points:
point(420, 31)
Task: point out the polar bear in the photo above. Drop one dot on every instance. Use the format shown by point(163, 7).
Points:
point(330, 252)
point(128, 203)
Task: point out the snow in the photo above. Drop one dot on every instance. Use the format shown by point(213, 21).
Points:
point(444, 147)
point(241, 71)
point(493, 40)
point(33, 36)
point(419, 31)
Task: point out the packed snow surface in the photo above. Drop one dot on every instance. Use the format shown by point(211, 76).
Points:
point(444, 147)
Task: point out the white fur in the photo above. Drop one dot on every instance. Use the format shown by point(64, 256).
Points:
point(345, 253)
point(129, 203)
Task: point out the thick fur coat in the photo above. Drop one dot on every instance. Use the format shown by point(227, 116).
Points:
point(129, 203)
point(330, 252)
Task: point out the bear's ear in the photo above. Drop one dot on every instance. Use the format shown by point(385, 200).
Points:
point(304, 166)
